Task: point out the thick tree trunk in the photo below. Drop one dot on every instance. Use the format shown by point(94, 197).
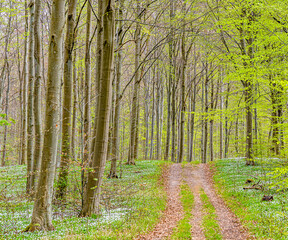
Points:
point(42, 211)
point(92, 200)
point(67, 104)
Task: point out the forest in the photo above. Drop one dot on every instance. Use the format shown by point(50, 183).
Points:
point(143, 119)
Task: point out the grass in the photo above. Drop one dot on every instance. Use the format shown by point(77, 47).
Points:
point(131, 205)
point(183, 229)
point(265, 220)
point(209, 221)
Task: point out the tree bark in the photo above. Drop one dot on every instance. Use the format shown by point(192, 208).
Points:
point(135, 101)
point(116, 122)
point(37, 95)
point(95, 177)
point(87, 86)
point(42, 211)
point(67, 104)
point(24, 82)
point(30, 128)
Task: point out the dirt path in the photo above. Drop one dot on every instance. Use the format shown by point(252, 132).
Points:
point(193, 179)
point(197, 177)
point(174, 211)
point(228, 222)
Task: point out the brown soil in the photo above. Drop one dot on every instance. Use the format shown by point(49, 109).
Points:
point(194, 181)
point(197, 177)
point(174, 211)
point(228, 222)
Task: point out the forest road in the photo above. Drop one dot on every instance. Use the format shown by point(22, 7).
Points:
point(198, 178)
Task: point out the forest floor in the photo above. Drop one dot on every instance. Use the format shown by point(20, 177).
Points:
point(210, 217)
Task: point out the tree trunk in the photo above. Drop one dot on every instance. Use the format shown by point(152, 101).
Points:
point(152, 119)
point(37, 95)
point(135, 101)
point(42, 211)
point(116, 122)
point(205, 133)
point(221, 153)
point(87, 89)
point(92, 199)
point(67, 104)
point(24, 82)
point(30, 134)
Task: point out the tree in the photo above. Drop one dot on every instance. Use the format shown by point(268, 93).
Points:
point(37, 95)
point(132, 155)
point(30, 122)
point(67, 104)
point(42, 211)
point(103, 109)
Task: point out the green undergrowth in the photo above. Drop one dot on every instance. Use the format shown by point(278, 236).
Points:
point(264, 219)
point(209, 221)
point(131, 205)
point(183, 229)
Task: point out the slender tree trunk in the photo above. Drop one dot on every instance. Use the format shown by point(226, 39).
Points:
point(226, 150)
point(42, 211)
point(30, 133)
point(211, 122)
point(6, 116)
point(135, 101)
point(205, 136)
point(74, 119)
point(147, 114)
point(221, 153)
point(152, 120)
point(92, 200)
point(67, 104)
point(159, 110)
point(193, 112)
point(37, 95)
point(116, 122)
point(87, 88)
point(24, 82)
point(170, 81)
point(182, 97)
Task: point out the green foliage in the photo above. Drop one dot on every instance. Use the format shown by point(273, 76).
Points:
point(4, 121)
point(131, 205)
point(265, 220)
